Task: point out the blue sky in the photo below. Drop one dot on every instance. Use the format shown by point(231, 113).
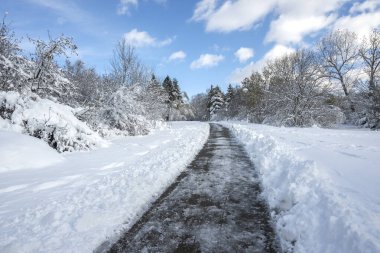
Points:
point(200, 42)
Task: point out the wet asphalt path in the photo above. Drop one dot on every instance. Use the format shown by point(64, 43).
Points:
point(214, 206)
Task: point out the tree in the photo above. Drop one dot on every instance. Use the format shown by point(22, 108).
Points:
point(167, 84)
point(370, 54)
point(45, 69)
point(127, 70)
point(339, 53)
point(229, 95)
point(155, 99)
point(11, 78)
point(295, 93)
point(253, 95)
point(215, 101)
point(200, 102)
point(177, 91)
point(87, 84)
point(8, 42)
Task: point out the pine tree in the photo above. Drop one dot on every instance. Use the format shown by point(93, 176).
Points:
point(215, 101)
point(168, 86)
point(229, 95)
point(176, 92)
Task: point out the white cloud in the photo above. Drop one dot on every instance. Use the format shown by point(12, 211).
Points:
point(179, 55)
point(293, 19)
point(364, 18)
point(143, 39)
point(370, 5)
point(203, 10)
point(124, 6)
point(288, 29)
point(297, 19)
point(231, 16)
point(240, 73)
point(244, 54)
point(207, 61)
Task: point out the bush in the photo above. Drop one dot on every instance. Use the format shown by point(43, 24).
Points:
point(52, 122)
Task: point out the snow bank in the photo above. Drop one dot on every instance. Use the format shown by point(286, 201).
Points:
point(75, 205)
point(34, 152)
point(42, 118)
point(321, 184)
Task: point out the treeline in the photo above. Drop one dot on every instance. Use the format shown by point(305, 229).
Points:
point(128, 100)
point(336, 81)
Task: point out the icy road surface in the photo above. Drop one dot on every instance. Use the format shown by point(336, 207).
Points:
point(214, 206)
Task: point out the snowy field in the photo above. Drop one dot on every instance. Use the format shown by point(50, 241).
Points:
point(72, 202)
point(323, 185)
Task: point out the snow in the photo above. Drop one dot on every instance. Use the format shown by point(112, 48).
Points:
point(53, 122)
point(321, 184)
point(89, 197)
point(35, 153)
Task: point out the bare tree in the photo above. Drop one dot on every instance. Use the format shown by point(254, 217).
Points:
point(126, 67)
point(339, 54)
point(295, 93)
point(370, 54)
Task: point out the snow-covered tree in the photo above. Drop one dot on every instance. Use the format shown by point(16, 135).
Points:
point(295, 94)
point(338, 52)
point(45, 78)
point(252, 96)
point(370, 54)
point(13, 75)
point(229, 95)
point(215, 101)
point(155, 99)
point(200, 102)
point(86, 82)
point(176, 92)
point(126, 68)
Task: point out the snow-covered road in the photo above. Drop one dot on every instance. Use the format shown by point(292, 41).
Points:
point(73, 202)
point(214, 206)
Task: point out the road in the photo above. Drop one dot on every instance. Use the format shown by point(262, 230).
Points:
point(215, 205)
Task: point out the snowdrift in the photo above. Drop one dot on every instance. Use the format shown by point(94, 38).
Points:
point(91, 197)
point(35, 153)
point(42, 118)
point(321, 185)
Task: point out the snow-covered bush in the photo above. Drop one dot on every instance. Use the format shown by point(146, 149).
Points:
point(120, 113)
point(52, 122)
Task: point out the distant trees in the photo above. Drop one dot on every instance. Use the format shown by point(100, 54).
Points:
point(319, 85)
point(128, 100)
point(177, 109)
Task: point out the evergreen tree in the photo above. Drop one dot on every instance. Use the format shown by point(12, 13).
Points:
point(215, 101)
point(176, 92)
point(168, 86)
point(229, 95)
